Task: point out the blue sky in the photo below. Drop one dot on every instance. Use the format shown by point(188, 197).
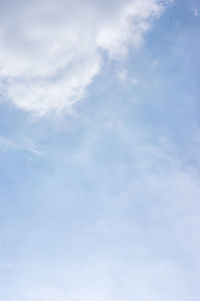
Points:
point(99, 150)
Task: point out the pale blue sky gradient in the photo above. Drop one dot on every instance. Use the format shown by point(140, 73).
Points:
point(102, 202)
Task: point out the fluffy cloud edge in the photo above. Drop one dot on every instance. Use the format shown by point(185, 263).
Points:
point(48, 62)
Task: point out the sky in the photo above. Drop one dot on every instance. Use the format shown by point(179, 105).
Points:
point(99, 150)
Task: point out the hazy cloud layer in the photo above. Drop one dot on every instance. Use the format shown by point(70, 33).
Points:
point(51, 51)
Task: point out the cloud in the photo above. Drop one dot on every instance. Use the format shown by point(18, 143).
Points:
point(6, 144)
point(122, 75)
point(51, 51)
point(27, 145)
point(141, 245)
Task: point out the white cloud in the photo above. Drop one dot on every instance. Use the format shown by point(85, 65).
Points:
point(51, 51)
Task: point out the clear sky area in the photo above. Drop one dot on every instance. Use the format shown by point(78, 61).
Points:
point(99, 150)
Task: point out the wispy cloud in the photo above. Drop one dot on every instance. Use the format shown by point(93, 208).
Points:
point(7, 144)
point(196, 12)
